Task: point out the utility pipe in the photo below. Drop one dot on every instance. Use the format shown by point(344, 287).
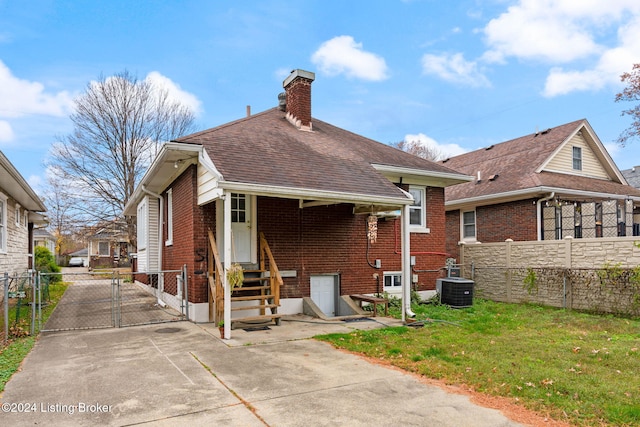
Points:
point(406, 264)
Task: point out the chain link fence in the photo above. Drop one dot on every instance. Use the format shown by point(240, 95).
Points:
point(19, 304)
point(110, 299)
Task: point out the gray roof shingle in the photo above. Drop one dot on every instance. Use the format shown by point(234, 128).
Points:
point(266, 149)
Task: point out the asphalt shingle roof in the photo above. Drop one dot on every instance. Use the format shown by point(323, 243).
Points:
point(266, 149)
point(514, 163)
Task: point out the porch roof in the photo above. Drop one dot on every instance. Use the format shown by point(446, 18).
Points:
point(265, 152)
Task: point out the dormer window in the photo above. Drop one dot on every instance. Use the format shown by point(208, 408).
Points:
point(577, 158)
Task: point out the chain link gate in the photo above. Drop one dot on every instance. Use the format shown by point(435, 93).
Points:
point(112, 299)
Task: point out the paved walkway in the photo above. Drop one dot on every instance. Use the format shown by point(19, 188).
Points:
point(183, 374)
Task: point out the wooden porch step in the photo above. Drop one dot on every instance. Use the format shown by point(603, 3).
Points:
point(249, 319)
point(254, 307)
point(254, 279)
point(252, 297)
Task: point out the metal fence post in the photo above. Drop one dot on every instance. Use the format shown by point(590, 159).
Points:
point(34, 300)
point(39, 287)
point(186, 289)
point(6, 306)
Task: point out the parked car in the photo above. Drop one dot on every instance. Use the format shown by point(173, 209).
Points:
point(77, 261)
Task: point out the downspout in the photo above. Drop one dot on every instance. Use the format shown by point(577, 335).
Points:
point(160, 243)
point(406, 264)
point(539, 212)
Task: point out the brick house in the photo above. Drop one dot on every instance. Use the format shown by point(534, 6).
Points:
point(557, 183)
point(20, 211)
point(335, 209)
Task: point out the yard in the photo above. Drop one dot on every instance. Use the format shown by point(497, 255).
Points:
point(570, 366)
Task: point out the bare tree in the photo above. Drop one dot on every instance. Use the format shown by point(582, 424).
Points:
point(630, 93)
point(420, 150)
point(119, 123)
point(62, 214)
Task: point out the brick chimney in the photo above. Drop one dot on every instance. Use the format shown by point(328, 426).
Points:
point(297, 89)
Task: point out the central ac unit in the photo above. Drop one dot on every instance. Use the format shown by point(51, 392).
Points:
point(455, 291)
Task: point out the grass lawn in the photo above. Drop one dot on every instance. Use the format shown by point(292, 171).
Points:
point(20, 345)
point(575, 367)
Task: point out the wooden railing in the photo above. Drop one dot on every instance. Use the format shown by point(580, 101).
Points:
point(268, 263)
point(215, 272)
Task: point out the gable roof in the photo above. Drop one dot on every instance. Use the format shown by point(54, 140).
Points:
point(14, 184)
point(266, 150)
point(520, 168)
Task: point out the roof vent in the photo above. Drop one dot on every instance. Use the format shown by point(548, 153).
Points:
point(493, 177)
point(282, 101)
point(489, 147)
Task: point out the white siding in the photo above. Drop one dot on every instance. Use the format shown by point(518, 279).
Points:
point(148, 234)
point(563, 160)
point(207, 186)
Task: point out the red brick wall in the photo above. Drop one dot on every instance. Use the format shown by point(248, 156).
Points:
point(190, 225)
point(299, 99)
point(497, 223)
point(316, 240)
point(332, 239)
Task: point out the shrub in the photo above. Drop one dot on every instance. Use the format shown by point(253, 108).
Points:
point(45, 263)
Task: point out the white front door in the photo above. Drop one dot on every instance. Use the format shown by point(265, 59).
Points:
point(241, 228)
point(323, 293)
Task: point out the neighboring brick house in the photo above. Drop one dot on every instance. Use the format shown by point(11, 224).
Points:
point(336, 208)
point(109, 246)
point(20, 210)
point(548, 185)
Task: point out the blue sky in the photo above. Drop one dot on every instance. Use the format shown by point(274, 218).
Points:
point(458, 74)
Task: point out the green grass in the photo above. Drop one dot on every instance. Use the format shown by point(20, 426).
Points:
point(17, 348)
point(572, 366)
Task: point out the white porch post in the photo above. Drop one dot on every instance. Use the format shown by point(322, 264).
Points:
point(406, 262)
point(226, 225)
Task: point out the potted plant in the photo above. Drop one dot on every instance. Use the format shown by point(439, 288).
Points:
point(221, 328)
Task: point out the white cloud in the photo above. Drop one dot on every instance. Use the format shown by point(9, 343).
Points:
point(455, 69)
point(22, 97)
point(342, 55)
point(446, 150)
point(606, 72)
point(175, 91)
point(6, 133)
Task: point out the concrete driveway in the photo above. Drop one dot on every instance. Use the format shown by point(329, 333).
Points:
point(183, 374)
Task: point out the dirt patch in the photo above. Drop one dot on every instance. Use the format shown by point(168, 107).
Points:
point(507, 406)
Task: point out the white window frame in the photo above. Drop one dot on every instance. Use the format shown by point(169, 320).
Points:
point(421, 208)
point(169, 240)
point(26, 218)
point(576, 161)
point(463, 226)
point(142, 225)
point(391, 274)
point(17, 215)
point(3, 223)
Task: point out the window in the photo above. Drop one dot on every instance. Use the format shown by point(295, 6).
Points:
point(238, 207)
point(103, 248)
point(392, 280)
point(142, 225)
point(26, 218)
point(18, 217)
point(577, 158)
point(3, 223)
point(169, 217)
point(417, 215)
point(469, 225)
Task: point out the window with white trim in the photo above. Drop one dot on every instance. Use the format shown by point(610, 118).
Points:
point(18, 215)
point(577, 158)
point(392, 280)
point(3, 223)
point(169, 240)
point(469, 225)
point(26, 218)
point(142, 221)
point(417, 211)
